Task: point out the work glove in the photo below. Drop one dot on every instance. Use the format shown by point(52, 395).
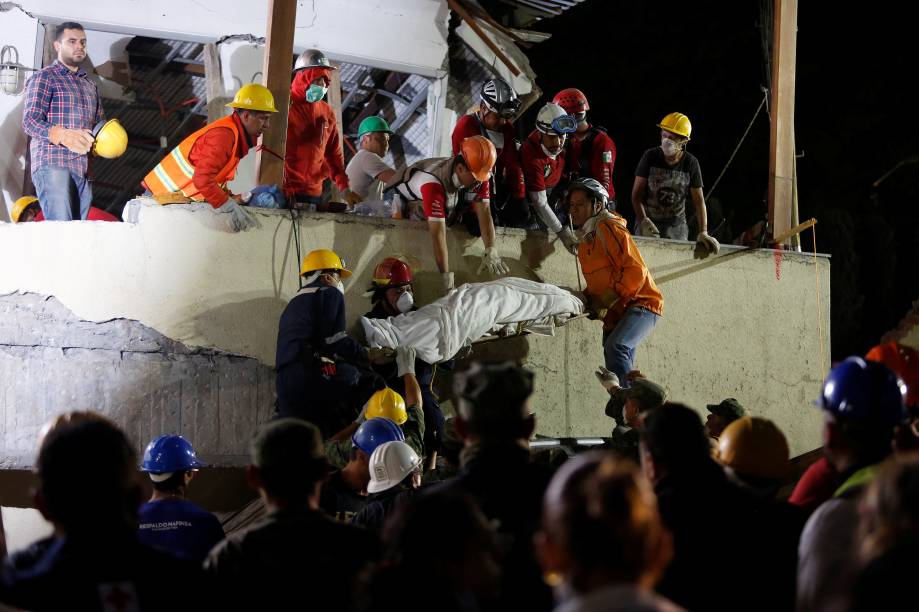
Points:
point(405, 360)
point(647, 229)
point(566, 235)
point(446, 282)
point(78, 141)
point(380, 354)
point(705, 246)
point(238, 219)
point(492, 263)
point(609, 380)
point(351, 197)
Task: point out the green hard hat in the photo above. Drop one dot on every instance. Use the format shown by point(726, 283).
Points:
point(372, 124)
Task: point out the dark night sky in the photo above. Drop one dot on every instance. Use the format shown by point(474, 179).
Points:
point(638, 61)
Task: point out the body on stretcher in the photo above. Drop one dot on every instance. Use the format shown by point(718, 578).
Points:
point(540, 327)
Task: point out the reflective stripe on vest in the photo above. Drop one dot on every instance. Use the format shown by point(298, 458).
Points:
point(174, 173)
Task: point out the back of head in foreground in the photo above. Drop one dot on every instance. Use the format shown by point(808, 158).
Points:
point(288, 463)
point(601, 526)
point(88, 459)
point(492, 402)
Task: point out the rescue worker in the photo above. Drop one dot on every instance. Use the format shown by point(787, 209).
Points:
point(391, 294)
point(543, 158)
point(493, 119)
point(367, 172)
point(27, 209)
point(322, 373)
point(863, 402)
point(590, 152)
point(313, 146)
point(429, 190)
point(395, 476)
point(666, 176)
point(721, 415)
point(169, 521)
point(344, 493)
point(199, 169)
point(620, 290)
point(62, 105)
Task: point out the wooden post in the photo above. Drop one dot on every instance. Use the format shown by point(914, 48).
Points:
point(334, 98)
point(782, 135)
point(214, 80)
point(276, 68)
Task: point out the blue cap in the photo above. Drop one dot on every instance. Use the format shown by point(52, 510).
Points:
point(376, 431)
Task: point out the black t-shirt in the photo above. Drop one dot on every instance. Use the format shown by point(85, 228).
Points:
point(338, 500)
point(668, 186)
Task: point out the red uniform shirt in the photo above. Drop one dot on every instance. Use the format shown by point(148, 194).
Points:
point(313, 146)
point(600, 163)
point(540, 171)
point(210, 154)
point(434, 201)
point(508, 163)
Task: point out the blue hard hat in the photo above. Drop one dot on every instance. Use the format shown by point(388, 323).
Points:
point(169, 453)
point(376, 431)
point(866, 391)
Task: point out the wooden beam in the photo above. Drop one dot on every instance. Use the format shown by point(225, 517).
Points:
point(782, 135)
point(334, 98)
point(459, 10)
point(276, 69)
point(215, 93)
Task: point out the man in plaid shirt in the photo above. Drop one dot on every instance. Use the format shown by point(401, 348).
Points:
point(62, 106)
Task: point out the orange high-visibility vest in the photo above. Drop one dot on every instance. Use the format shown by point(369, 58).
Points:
point(174, 173)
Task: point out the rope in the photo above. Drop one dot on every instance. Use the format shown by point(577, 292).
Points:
point(823, 360)
point(295, 224)
point(742, 138)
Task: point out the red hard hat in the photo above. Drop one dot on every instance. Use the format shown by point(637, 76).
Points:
point(572, 100)
point(392, 272)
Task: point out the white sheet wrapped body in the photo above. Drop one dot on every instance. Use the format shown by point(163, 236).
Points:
point(440, 329)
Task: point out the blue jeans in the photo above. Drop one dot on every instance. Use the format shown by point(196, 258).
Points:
point(62, 194)
point(619, 343)
point(675, 229)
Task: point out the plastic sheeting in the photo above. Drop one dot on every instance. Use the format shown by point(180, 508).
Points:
point(439, 330)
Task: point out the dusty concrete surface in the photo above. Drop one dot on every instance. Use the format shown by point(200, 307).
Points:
point(744, 324)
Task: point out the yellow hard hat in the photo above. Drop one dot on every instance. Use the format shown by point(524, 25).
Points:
point(324, 259)
point(111, 140)
point(20, 205)
point(677, 123)
point(253, 96)
point(388, 404)
point(753, 446)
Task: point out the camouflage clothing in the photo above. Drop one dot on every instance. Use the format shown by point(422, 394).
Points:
point(339, 451)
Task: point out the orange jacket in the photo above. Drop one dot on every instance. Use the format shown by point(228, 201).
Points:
point(203, 163)
point(313, 146)
point(616, 274)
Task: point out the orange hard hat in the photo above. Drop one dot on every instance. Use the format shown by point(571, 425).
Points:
point(392, 272)
point(754, 446)
point(480, 156)
point(904, 361)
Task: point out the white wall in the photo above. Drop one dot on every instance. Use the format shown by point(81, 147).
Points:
point(24, 33)
point(392, 34)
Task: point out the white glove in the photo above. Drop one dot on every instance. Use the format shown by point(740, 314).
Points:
point(647, 228)
point(566, 235)
point(608, 379)
point(492, 263)
point(446, 281)
point(405, 360)
point(239, 219)
point(706, 245)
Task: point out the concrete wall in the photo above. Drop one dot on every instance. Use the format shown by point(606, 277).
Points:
point(358, 31)
point(742, 325)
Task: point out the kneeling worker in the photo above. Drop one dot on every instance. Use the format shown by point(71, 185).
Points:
point(199, 169)
point(620, 289)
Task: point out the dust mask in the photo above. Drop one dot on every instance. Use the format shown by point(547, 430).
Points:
point(405, 302)
point(340, 286)
point(315, 93)
point(669, 147)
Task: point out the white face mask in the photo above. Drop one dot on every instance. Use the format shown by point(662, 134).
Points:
point(405, 302)
point(340, 286)
point(496, 138)
point(669, 147)
point(456, 181)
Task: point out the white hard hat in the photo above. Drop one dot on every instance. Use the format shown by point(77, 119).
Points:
point(552, 119)
point(390, 463)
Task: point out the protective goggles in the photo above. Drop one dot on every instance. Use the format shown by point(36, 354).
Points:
point(507, 110)
point(564, 124)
